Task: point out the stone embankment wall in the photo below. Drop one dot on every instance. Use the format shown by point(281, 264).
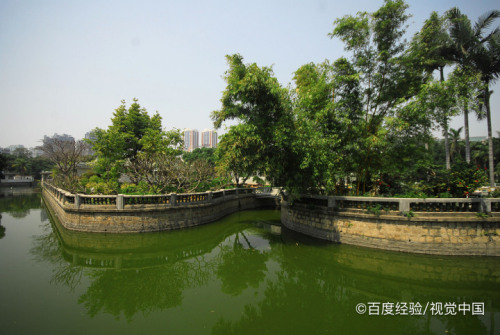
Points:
point(135, 214)
point(429, 226)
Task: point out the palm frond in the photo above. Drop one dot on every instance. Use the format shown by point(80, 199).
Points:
point(484, 21)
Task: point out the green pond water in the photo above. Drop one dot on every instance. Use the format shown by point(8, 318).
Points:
point(244, 274)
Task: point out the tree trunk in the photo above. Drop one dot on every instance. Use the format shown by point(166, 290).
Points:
point(491, 164)
point(466, 126)
point(445, 127)
point(446, 145)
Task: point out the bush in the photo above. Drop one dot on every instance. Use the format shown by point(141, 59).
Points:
point(460, 181)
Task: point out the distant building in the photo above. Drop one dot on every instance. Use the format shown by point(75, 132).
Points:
point(35, 152)
point(209, 138)
point(15, 179)
point(63, 137)
point(191, 140)
point(13, 148)
point(92, 137)
point(5, 151)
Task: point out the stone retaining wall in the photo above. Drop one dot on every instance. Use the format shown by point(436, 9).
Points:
point(429, 226)
point(139, 218)
point(429, 233)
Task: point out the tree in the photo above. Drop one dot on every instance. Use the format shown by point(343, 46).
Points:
point(387, 74)
point(479, 50)
point(239, 153)
point(431, 48)
point(455, 139)
point(165, 173)
point(328, 109)
point(254, 97)
point(467, 88)
point(204, 153)
point(5, 163)
point(132, 134)
point(436, 98)
point(66, 155)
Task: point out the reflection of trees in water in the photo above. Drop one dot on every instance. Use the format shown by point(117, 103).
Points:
point(43, 214)
point(144, 283)
point(241, 265)
point(47, 248)
point(132, 291)
point(158, 288)
point(309, 294)
point(19, 205)
point(2, 228)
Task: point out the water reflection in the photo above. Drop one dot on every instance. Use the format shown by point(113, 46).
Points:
point(19, 201)
point(242, 263)
point(2, 228)
point(285, 282)
point(318, 291)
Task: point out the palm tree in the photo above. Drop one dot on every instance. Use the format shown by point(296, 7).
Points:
point(467, 86)
point(474, 48)
point(455, 139)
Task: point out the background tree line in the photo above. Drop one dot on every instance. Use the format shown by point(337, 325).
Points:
point(366, 119)
point(23, 163)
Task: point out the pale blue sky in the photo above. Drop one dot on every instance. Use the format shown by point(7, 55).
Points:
point(66, 65)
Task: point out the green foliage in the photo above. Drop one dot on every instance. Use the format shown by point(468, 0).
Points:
point(430, 47)
point(460, 181)
point(375, 210)
point(93, 184)
point(21, 162)
point(239, 153)
point(367, 118)
point(133, 132)
point(482, 215)
point(409, 214)
point(386, 78)
point(476, 48)
point(133, 136)
point(255, 98)
point(207, 154)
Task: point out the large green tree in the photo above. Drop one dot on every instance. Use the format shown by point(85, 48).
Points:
point(387, 74)
point(431, 49)
point(239, 153)
point(328, 109)
point(253, 96)
point(132, 135)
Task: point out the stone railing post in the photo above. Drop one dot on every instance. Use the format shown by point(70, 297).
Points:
point(209, 196)
point(332, 203)
point(119, 202)
point(404, 205)
point(237, 192)
point(485, 205)
point(173, 199)
point(77, 201)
